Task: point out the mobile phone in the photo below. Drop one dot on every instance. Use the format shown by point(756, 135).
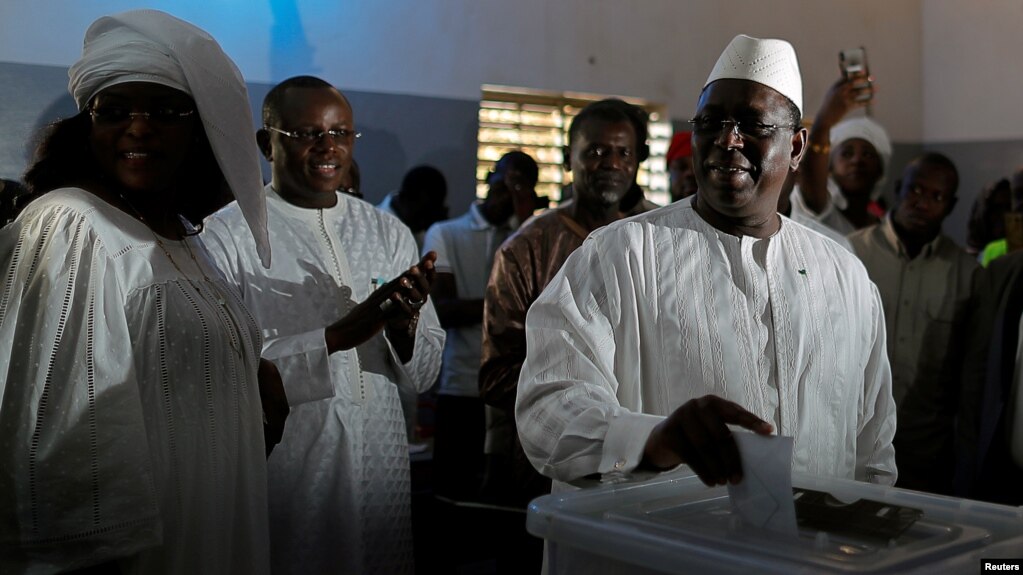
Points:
point(853, 63)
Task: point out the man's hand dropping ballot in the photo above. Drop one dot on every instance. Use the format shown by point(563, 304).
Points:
point(763, 498)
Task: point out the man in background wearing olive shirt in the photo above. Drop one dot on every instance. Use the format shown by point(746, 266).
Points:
point(925, 281)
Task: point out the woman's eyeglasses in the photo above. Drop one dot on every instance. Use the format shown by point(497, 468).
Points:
point(118, 115)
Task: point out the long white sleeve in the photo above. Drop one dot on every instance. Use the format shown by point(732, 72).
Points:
point(569, 417)
point(875, 455)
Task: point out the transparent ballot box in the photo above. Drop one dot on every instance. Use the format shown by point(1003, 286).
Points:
point(675, 524)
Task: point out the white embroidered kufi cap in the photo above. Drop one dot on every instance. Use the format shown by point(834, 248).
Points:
point(765, 61)
point(153, 46)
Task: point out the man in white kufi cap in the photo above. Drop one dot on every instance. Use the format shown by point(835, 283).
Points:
point(663, 328)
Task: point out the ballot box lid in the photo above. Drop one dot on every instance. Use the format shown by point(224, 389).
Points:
point(674, 523)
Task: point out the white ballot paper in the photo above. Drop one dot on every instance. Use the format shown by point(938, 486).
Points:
point(764, 496)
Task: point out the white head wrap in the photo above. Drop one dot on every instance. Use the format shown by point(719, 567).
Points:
point(867, 129)
point(769, 62)
point(153, 46)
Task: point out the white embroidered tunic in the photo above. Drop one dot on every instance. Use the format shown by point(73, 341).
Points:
point(662, 308)
point(130, 422)
point(339, 480)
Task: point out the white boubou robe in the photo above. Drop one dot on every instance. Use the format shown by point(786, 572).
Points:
point(130, 422)
point(339, 480)
point(662, 308)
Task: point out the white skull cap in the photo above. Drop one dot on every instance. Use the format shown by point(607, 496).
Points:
point(765, 61)
point(868, 129)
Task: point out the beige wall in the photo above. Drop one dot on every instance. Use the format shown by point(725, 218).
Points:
point(973, 78)
point(657, 49)
point(947, 71)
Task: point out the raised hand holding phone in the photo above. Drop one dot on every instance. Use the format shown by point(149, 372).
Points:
point(853, 63)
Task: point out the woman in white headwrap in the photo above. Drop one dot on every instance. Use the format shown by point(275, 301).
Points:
point(130, 422)
point(843, 173)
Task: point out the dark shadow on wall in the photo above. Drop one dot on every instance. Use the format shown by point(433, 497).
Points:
point(379, 152)
point(464, 194)
point(401, 132)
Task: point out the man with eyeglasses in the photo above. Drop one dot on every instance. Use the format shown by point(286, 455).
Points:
point(925, 280)
point(345, 317)
point(664, 328)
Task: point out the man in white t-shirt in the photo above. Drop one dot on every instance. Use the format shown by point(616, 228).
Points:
point(465, 248)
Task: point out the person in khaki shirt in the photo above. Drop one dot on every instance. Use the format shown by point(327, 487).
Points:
point(925, 283)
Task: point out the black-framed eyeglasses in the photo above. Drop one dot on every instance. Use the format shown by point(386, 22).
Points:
point(310, 136)
point(703, 126)
point(120, 115)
